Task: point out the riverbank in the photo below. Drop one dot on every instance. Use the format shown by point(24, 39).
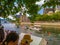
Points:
point(44, 24)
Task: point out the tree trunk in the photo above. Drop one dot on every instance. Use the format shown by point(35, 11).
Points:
point(54, 8)
point(0, 21)
point(1, 24)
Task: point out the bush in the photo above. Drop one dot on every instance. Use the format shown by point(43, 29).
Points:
point(45, 17)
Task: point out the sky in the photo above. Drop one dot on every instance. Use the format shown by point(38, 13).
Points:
point(10, 17)
point(40, 11)
point(40, 3)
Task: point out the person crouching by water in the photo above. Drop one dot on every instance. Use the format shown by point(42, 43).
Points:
point(11, 39)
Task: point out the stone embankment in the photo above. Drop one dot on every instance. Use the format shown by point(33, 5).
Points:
point(44, 24)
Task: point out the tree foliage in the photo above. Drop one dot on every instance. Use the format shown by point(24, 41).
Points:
point(13, 6)
point(46, 17)
point(51, 3)
point(7, 7)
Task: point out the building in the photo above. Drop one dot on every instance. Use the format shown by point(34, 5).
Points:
point(46, 10)
point(24, 18)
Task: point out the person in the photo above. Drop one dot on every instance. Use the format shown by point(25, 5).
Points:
point(26, 40)
point(11, 39)
point(2, 34)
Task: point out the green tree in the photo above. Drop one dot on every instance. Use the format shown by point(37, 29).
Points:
point(11, 7)
point(56, 16)
point(38, 17)
point(32, 18)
